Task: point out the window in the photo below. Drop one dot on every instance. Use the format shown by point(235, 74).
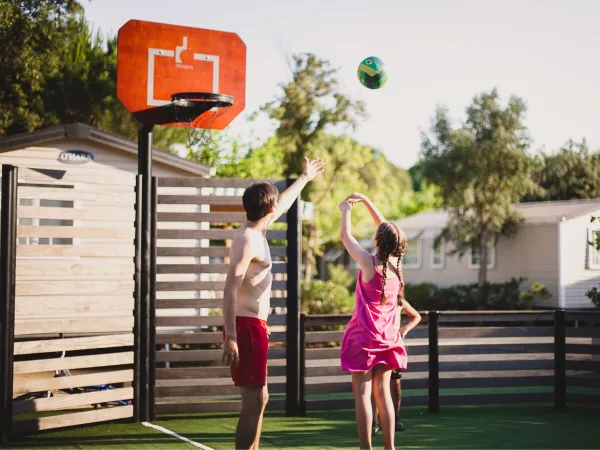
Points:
point(45, 222)
point(437, 254)
point(475, 256)
point(593, 259)
point(412, 257)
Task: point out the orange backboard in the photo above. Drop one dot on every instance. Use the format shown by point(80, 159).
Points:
point(156, 60)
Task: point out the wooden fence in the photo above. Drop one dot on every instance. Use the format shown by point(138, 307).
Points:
point(73, 274)
point(469, 358)
point(197, 219)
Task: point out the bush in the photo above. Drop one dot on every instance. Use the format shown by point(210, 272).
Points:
point(338, 274)
point(466, 297)
point(326, 297)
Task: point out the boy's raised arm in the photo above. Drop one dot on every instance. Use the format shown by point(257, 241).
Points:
point(286, 199)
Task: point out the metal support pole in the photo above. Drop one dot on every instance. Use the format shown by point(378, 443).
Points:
point(145, 170)
point(294, 257)
point(434, 362)
point(137, 330)
point(302, 409)
point(8, 256)
point(152, 317)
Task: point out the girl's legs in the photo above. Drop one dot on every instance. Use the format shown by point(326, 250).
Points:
point(375, 415)
point(361, 388)
point(383, 398)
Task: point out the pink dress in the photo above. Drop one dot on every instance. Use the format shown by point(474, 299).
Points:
point(372, 336)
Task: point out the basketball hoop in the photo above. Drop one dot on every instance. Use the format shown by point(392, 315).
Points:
point(199, 110)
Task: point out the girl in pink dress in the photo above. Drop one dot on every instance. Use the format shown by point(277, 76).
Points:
point(372, 346)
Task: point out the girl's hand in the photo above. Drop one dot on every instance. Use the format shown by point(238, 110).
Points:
point(403, 332)
point(355, 198)
point(345, 206)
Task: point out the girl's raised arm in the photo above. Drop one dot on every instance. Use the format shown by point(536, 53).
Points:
point(358, 254)
point(377, 216)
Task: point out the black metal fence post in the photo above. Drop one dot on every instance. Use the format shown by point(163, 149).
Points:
point(302, 409)
point(434, 362)
point(294, 245)
point(137, 314)
point(152, 318)
point(560, 359)
point(8, 256)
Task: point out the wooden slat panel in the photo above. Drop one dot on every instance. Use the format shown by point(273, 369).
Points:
point(80, 343)
point(494, 332)
point(73, 362)
point(215, 252)
point(218, 217)
point(199, 373)
point(72, 401)
point(212, 407)
point(484, 366)
point(117, 177)
point(93, 268)
point(324, 336)
point(209, 390)
point(496, 399)
point(214, 182)
point(323, 353)
point(583, 349)
point(205, 355)
point(495, 382)
point(92, 251)
point(348, 403)
point(77, 288)
point(204, 338)
point(278, 267)
point(22, 386)
point(215, 235)
point(199, 321)
point(592, 366)
point(487, 349)
point(97, 325)
point(584, 399)
point(584, 332)
point(49, 305)
point(495, 316)
point(579, 381)
point(100, 196)
point(206, 285)
point(75, 232)
point(585, 316)
point(97, 213)
point(65, 420)
point(200, 200)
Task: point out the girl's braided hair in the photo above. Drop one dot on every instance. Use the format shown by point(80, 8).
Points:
point(390, 241)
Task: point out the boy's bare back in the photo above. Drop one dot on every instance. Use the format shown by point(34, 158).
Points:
point(254, 293)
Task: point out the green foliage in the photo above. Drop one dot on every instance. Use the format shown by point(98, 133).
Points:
point(308, 105)
point(326, 297)
point(231, 161)
point(35, 36)
point(339, 275)
point(594, 293)
point(482, 170)
point(467, 297)
point(571, 173)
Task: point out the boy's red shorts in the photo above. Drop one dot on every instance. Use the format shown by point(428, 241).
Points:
point(253, 345)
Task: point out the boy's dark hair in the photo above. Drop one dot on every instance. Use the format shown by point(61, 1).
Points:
point(258, 200)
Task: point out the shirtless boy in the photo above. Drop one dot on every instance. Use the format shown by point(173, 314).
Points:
point(246, 300)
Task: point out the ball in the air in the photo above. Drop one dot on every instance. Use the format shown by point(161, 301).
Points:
point(371, 73)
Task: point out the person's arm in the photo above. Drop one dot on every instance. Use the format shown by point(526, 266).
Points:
point(377, 216)
point(240, 256)
point(415, 318)
point(287, 198)
point(358, 254)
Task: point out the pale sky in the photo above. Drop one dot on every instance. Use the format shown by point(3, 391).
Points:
point(436, 51)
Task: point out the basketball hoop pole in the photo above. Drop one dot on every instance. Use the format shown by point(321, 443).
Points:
point(145, 331)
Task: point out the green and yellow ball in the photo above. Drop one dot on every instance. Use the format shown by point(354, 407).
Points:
point(371, 73)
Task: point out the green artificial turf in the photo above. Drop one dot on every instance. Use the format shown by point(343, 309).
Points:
point(468, 427)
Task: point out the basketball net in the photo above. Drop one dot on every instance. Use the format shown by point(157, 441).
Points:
point(199, 127)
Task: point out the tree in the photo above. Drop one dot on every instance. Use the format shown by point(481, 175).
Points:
point(571, 173)
point(482, 170)
point(35, 35)
point(307, 106)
